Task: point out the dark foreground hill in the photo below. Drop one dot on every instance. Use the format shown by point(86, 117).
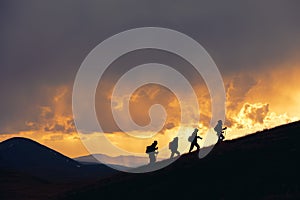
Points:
point(264, 165)
point(29, 170)
point(27, 156)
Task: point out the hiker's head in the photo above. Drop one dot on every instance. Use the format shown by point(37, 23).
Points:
point(220, 122)
point(176, 138)
point(196, 130)
point(155, 143)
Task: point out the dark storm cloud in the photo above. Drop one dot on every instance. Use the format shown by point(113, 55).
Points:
point(44, 42)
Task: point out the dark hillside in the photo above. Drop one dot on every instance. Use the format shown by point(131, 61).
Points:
point(264, 165)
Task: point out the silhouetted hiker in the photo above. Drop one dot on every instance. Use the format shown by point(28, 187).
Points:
point(193, 139)
point(220, 130)
point(151, 151)
point(173, 146)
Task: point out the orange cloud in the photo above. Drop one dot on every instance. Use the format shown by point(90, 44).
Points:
point(254, 102)
point(146, 96)
point(54, 127)
point(256, 117)
point(56, 117)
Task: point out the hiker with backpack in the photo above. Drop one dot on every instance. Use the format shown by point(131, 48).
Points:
point(173, 146)
point(220, 130)
point(193, 140)
point(151, 151)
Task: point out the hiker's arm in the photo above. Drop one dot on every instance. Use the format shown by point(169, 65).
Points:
point(199, 137)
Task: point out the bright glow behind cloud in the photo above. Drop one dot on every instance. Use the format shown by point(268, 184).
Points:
point(265, 102)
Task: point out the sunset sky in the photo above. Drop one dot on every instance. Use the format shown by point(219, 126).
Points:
point(255, 44)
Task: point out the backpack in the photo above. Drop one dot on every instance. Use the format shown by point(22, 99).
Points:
point(148, 149)
point(170, 145)
point(191, 138)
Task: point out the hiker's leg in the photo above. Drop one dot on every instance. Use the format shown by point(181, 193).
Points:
point(178, 153)
point(191, 148)
point(172, 154)
point(152, 157)
point(197, 145)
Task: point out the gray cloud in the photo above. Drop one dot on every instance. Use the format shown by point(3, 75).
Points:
point(44, 42)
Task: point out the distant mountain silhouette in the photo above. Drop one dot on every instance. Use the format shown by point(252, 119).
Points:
point(27, 156)
point(263, 165)
point(127, 161)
